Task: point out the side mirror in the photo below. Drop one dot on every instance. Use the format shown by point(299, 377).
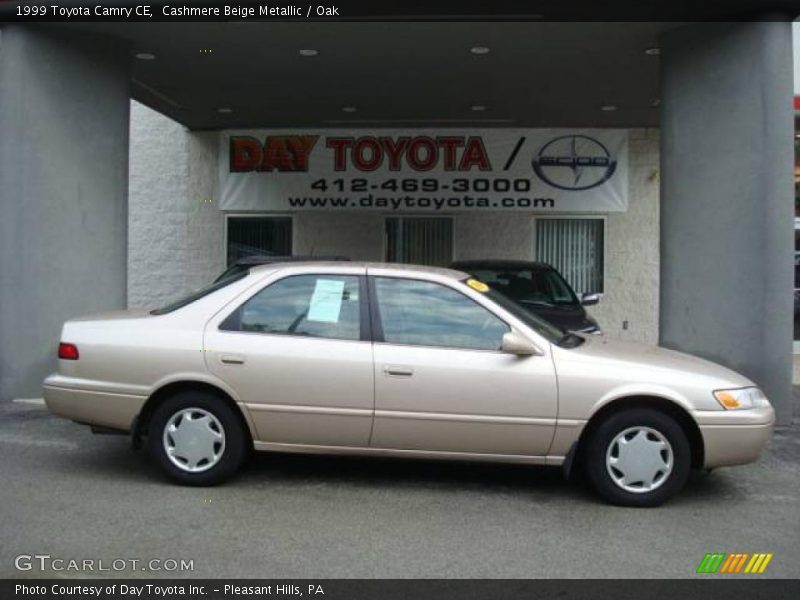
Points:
point(590, 299)
point(514, 343)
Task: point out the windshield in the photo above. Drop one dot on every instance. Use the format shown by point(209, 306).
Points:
point(217, 285)
point(551, 333)
point(533, 287)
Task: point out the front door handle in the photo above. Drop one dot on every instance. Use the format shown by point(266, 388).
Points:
point(398, 371)
point(232, 359)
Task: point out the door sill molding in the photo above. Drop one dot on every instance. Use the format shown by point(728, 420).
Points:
point(400, 453)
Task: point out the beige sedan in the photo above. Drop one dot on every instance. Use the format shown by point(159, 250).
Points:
point(390, 360)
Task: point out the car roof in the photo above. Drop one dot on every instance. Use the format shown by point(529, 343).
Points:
point(259, 259)
point(399, 269)
point(502, 263)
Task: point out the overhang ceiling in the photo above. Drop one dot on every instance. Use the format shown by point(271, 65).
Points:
point(409, 74)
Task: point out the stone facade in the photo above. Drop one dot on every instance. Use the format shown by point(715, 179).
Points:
point(175, 232)
point(629, 308)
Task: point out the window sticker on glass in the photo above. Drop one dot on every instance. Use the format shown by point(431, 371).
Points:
point(326, 301)
point(478, 286)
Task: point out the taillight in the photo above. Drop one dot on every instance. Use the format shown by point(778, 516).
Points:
point(67, 351)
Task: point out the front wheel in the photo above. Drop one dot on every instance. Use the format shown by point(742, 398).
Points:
point(638, 457)
point(196, 438)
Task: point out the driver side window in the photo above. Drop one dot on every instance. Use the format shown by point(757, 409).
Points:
point(324, 306)
point(423, 313)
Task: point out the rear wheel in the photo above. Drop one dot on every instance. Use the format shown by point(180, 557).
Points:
point(638, 457)
point(197, 438)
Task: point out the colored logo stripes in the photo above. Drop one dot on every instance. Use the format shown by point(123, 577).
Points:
point(736, 562)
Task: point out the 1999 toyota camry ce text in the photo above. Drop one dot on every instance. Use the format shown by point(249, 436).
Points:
point(398, 360)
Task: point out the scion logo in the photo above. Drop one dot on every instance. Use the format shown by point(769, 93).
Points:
point(574, 162)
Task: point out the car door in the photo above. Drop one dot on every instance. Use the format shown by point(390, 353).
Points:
point(298, 356)
point(441, 381)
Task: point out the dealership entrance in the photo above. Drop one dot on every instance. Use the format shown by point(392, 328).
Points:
point(649, 162)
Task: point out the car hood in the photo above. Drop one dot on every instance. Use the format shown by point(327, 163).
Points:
point(649, 362)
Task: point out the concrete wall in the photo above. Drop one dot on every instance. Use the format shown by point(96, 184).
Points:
point(175, 229)
point(63, 192)
point(728, 198)
point(629, 308)
point(357, 235)
point(796, 56)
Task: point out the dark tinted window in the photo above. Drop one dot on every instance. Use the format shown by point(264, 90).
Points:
point(270, 236)
point(533, 286)
point(324, 306)
point(428, 314)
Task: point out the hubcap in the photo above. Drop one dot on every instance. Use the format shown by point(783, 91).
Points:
point(639, 459)
point(194, 440)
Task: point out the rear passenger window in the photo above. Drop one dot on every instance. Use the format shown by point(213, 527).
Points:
point(325, 306)
point(423, 313)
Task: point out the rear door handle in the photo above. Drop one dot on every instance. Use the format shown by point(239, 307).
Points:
point(232, 359)
point(398, 371)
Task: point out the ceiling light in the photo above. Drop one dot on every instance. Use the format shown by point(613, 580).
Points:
point(308, 52)
point(608, 107)
point(478, 107)
point(225, 110)
point(349, 109)
point(652, 51)
point(480, 50)
point(145, 56)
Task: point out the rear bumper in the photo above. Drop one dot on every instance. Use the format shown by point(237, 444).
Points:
point(735, 437)
point(65, 398)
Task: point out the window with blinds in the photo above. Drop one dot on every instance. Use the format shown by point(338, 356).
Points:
point(270, 236)
point(576, 248)
point(419, 240)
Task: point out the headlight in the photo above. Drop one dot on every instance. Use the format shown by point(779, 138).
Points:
point(741, 399)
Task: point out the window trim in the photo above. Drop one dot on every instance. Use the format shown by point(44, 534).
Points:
point(364, 320)
point(575, 216)
point(252, 215)
point(385, 238)
point(378, 336)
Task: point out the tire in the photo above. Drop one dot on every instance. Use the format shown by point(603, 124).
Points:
point(212, 446)
point(645, 474)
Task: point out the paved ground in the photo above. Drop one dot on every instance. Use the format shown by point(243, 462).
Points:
point(74, 495)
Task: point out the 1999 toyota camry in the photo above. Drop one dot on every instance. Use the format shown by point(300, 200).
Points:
point(398, 360)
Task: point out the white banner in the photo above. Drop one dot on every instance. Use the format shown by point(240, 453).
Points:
point(546, 170)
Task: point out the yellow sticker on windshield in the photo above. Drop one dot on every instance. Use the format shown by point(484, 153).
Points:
point(478, 286)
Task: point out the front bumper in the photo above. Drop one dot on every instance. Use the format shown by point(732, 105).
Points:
point(734, 437)
point(66, 397)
